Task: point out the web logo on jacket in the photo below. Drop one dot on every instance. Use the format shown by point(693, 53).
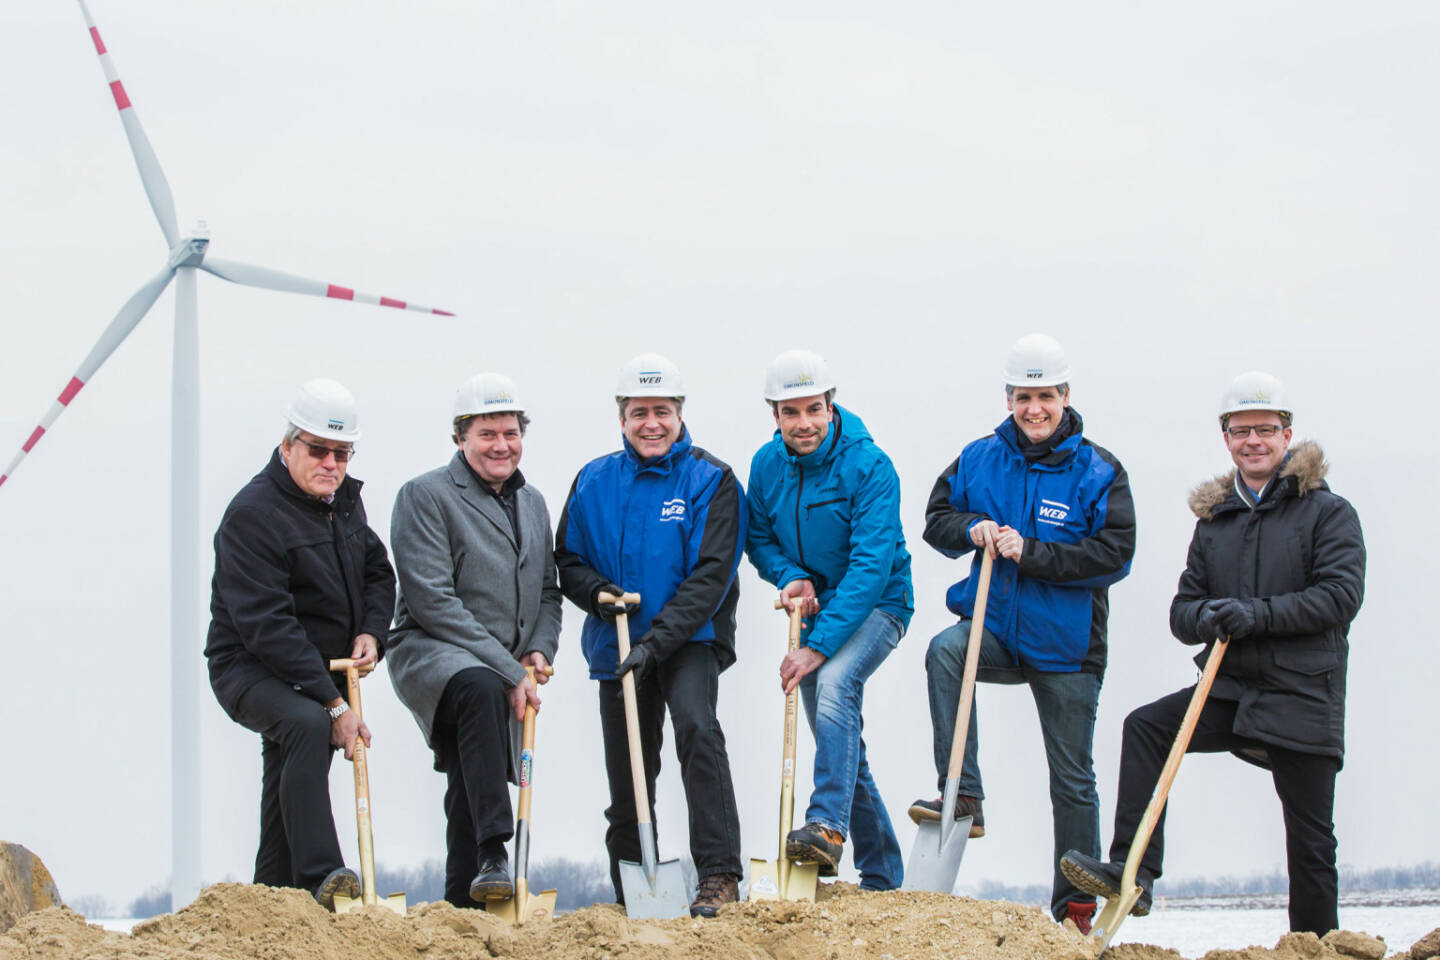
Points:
point(672, 510)
point(1052, 512)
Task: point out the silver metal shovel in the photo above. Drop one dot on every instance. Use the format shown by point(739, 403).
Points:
point(653, 890)
point(939, 847)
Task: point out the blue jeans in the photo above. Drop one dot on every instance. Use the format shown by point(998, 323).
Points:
point(1066, 704)
point(845, 794)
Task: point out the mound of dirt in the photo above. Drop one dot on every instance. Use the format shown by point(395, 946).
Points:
point(238, 922)
point(25, 884)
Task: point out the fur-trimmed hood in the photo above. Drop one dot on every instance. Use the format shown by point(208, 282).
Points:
point(1306, 463)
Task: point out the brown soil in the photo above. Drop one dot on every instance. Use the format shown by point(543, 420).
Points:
point(237, 921)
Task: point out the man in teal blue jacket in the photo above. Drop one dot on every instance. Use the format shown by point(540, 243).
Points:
point(1054, 510)
point(824, 506)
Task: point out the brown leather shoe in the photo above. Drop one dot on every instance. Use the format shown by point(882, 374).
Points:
point(715, 891)
point(966, 806)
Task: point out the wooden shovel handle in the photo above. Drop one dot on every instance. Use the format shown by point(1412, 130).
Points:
point(338, 666)
point(608, 598)
point(632, 713)
point(1172, 765)
point(972, 666)
point(527, 747)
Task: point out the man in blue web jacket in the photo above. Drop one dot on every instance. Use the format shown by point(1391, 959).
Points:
point(824, 510)
point(665, 519)
point(1054, 509)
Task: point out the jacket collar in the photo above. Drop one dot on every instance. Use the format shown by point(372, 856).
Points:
point(664, 463)
point(277, 473)
point(479, 495)
point(1304, 470)
point(1009, 434)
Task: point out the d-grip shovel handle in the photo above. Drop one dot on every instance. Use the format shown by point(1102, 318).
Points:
point(632, 714)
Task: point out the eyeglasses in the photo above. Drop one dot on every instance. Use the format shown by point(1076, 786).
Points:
point(319, 451)
point(1261, 430)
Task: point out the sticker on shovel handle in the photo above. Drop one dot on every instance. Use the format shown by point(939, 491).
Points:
point(527, 759)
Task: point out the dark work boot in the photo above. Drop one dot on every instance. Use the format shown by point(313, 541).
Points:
point(493, 880)
point(341, 880)
point(817, 844)
point(1103, 879)
point(715, 891)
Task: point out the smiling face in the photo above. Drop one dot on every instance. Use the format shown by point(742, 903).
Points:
point(313, 465)
point(492, 445)
point(651, 424)
point(804, 422)
point(1256, 457)
point(1038, 410)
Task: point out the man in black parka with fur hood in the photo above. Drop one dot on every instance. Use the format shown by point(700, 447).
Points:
point(1277, 563)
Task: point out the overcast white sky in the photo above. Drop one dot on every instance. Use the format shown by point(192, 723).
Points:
point(1178, 194)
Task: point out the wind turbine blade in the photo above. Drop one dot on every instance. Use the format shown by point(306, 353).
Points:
point(253, 276)
point(156, 187)
point(134, 310)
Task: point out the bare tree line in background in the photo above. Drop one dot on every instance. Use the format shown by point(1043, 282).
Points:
point(582, 883)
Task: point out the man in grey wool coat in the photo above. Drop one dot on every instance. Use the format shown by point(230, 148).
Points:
point(479, 601)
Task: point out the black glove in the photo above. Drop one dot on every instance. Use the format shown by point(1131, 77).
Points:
point(1205, 624)
point(608, 611)
point(1236, 618)
point(641, 660)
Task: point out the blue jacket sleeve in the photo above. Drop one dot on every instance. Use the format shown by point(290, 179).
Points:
point(761, 543)
point(874, 532)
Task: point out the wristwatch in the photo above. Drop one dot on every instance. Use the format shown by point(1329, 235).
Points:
point(338, 711)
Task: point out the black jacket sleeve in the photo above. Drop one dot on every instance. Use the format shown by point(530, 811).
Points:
point(1190, 596)
point(578, 580)
point(704, 590)
point(947, 528)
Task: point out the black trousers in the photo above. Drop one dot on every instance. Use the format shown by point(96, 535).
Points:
point(1305, 783)
point(471, 737)
point(688, 683)
point(298, 845)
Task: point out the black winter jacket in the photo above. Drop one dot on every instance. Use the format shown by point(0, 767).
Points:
point(296, 580)
point(1299, 558)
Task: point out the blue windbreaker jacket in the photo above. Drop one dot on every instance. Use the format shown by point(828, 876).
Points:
point(670, 529)
point(1074, 510)
point(832, 516)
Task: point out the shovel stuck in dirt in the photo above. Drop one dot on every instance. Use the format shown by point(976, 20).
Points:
point(653, 890)
point(524, 907)
point(1116, 909)
point(396, 901)
point(784, 879)
point(939, 847)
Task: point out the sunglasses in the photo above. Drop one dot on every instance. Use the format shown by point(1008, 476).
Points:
point(1263, 430)
point(318, 451)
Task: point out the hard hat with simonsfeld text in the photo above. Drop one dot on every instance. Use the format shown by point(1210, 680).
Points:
point(487, 393)
point(1255, 390)
point(649, 375)
point(797, 373)
point(1036, 360)
point(324, 408)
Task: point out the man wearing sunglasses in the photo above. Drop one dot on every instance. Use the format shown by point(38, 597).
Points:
point(300, 579)
point(1277, 565)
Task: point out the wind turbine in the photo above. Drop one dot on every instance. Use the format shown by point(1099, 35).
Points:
point(186, 255)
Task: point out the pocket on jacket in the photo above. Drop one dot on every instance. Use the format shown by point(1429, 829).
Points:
point(1305, 661)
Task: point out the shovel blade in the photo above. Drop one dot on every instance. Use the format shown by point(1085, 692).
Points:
point(536, 907)
point(394, 903)
point(666, 898)
point(935, 865)
point(800, 884)
point(1114, 912)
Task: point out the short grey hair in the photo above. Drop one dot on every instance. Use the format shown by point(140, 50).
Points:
point(1062, 388)
point(461, 425)
point(292, 433)
point(829, 401)
point(621, 401)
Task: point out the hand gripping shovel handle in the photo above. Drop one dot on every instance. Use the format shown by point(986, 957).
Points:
point(967, 698)
point(787, 770)
point(362, 785)
point(1115, 911)
point(648, 855)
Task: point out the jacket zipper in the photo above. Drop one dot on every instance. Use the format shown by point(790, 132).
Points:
point(799, 541)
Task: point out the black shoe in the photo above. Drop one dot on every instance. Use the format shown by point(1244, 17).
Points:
point(1102, 879)
point(715, 891)
point(493, 880)
point(342, 881)
point(922, 811)
point(816, 844)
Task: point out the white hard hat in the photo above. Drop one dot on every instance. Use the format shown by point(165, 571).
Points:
point(487, 393)
point(1036, 360)
point(1255, 390)
point(649, 375)
point(797, 373)
point(326, 409)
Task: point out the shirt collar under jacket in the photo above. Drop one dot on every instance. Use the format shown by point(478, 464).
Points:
point(1249, 497)
point(507, 490)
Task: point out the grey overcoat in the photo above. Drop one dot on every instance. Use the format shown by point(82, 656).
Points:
point(468, 596)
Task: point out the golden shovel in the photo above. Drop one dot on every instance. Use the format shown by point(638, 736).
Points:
point(524, 906)
point(784, 879)
point(396, 901)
